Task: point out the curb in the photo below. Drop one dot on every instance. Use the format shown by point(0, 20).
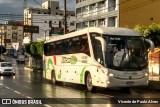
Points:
point(29, 69)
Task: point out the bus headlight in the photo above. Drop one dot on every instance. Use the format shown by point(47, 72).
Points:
point(111, 75)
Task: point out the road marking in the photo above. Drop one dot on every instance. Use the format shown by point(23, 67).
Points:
point(17, 92)
point(28, 97)
point(7, 87)
point(46, 105)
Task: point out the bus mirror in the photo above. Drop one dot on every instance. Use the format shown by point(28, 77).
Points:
point(103, 43)
point(151, 44)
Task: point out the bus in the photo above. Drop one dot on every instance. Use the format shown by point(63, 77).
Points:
point(90, 57)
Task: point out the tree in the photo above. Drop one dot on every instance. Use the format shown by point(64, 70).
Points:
point(151, 32)
point(35, 49)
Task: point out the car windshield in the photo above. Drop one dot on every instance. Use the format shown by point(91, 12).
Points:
point(6, 65)
point(126, 53)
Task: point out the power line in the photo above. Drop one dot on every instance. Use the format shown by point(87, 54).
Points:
point(38, 4)
point(44, 7)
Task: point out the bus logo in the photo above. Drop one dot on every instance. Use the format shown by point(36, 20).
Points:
point(72, 60)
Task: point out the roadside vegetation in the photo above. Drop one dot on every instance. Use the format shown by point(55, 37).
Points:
point(150, 32)
point(35, 49)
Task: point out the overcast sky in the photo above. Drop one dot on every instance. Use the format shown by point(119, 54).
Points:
point(15, 7)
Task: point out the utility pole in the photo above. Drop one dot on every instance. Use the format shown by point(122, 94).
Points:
point(1, 47)
point(65, 17)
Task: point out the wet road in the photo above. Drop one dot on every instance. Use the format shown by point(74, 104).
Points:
point(27, 84)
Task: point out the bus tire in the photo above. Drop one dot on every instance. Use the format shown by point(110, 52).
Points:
point(89, 85)
point(53, 77)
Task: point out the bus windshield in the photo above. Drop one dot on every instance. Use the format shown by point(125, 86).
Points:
point(125, 53)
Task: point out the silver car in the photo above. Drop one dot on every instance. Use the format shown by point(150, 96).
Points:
point(6, 68)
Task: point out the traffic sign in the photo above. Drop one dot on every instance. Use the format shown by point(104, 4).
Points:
point(31, 29)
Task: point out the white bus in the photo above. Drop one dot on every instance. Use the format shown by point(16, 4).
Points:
point(98, 57)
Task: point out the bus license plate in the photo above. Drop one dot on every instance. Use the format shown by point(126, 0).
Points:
point(130, 83)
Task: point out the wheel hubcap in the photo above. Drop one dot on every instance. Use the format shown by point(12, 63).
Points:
point(89, 82)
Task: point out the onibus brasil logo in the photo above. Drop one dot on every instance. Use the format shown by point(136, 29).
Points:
point(72, 60)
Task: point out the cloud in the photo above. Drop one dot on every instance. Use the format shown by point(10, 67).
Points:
point(15, 7)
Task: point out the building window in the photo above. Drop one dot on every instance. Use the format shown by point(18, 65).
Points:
point(92, 23)
point(72, 24)
point(111, 5)
point(112, 22)
point(84, 24)
point(101, 22)
point(78, 25)
point(78, 11)
point(92, 6)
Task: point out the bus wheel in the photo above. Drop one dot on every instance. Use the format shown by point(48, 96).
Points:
point(53, 77)
point(89, 85)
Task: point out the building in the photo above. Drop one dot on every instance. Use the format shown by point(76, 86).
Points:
point(97, 13)
point(116, 13)
point(11, 36)
point(49, 19)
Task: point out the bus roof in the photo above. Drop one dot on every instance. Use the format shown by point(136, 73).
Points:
point(101, 30)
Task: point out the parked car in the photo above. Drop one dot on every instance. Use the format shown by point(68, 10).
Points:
point(6, 68)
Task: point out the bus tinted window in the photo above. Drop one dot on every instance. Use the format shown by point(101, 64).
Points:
point(68, 46)
point(84, 46)
point(47, 49)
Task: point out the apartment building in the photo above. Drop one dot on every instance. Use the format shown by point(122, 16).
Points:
point(116, 13)
point(97, 13)
point(50, 19)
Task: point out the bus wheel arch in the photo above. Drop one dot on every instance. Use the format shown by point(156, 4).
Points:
point(88, 82)
point(53, 77)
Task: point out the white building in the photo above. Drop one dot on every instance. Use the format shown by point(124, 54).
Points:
point(50, 17)
point(97, 13)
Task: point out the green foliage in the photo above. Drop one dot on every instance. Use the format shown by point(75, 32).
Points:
point(35, 49)
point(152, 32)
point(39, 46)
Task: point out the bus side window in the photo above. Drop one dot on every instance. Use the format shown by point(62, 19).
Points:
point(52, 50)
point(74, 45)
point(58, 49)
point(65, 46)
point(70, 47)
point(73, 49)
point(84, 47)
point(47, 49)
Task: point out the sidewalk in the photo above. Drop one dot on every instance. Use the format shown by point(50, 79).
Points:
point(154, 78)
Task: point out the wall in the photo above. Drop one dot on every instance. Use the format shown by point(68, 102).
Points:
point(133, 12)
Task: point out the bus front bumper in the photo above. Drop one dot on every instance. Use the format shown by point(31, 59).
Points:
point(116, 82)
